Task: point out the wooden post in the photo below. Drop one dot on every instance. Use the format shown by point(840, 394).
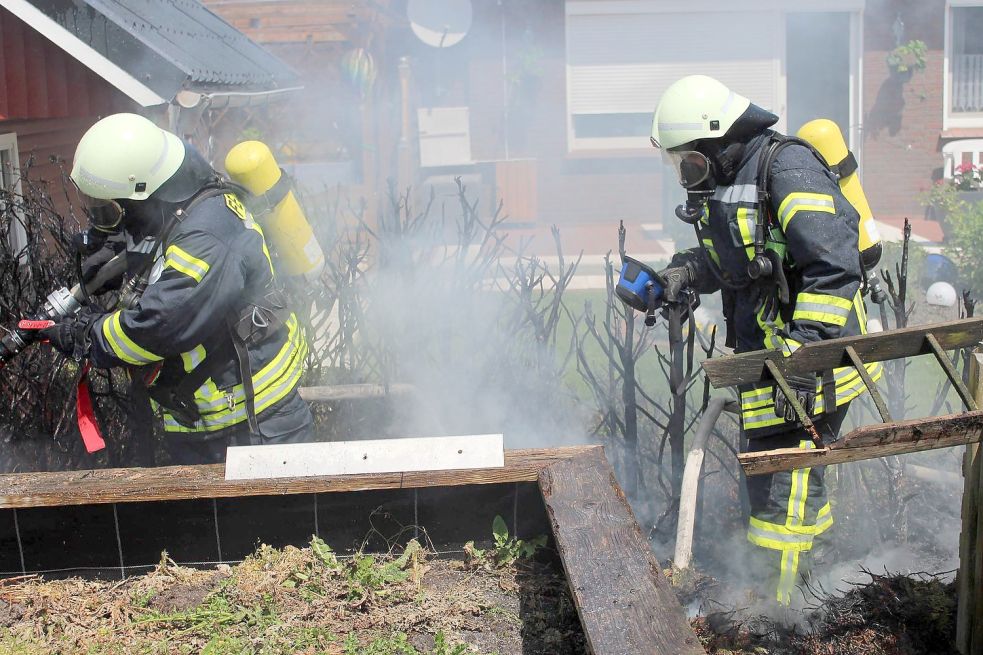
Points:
point(690, 491)
point(404, 157)
point(969, 621)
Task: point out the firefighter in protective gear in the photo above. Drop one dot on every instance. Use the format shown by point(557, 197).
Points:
point(210, 334)
point(781, 245)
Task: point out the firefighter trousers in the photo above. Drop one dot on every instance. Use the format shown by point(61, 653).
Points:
point(287, 422)
point(789, 510)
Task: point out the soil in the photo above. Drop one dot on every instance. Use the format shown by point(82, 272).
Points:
point(304, 600)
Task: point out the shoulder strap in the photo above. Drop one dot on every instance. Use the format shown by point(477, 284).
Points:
point(778, 143)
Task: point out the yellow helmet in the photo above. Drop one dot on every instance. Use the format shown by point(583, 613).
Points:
point(695, 107)
point(125, 156)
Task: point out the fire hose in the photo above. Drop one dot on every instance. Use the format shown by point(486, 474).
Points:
point(60, 304)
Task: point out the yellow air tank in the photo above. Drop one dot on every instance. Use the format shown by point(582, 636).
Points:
point(825, 136)
point(285, 226)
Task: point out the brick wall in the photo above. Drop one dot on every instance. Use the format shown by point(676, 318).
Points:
point(902, 115)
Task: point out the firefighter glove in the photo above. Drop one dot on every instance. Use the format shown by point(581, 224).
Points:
point(676, 278)
point(804, 387)
point(72, 335)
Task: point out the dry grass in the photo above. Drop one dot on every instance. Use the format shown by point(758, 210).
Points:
point(298, 601)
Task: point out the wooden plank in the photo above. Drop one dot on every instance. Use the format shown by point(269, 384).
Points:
point(872, 441)
point(293, 460)
point(749, 367)
point(969, 614)
point(626, 605)
point(353, 392)
point(185, 482)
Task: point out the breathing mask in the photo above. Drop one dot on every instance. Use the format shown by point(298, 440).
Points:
point(104, 215)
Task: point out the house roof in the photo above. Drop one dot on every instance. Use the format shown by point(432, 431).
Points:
point(158, 48)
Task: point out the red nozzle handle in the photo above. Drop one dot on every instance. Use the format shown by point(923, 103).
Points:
point(34, 325)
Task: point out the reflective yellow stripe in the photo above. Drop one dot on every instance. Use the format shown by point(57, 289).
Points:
point(796, 513)
point(181, 260)
point(123, 346)
point(824, 519)
point(746, 219)
point(800, 201)
point(708, 244)
point(823, 308)
point(253, 225)
point(778, 537)
point(192, 358)
point(825, 299)
point(789, 574)
point(858, 304)
point(272, 383)
point(803, 314)
point(849, 386)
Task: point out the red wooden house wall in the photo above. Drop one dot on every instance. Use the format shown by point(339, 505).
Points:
point(47, 98)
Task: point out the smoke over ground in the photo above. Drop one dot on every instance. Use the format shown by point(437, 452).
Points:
point(442, 304)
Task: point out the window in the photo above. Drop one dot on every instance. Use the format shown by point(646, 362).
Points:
point(622, 56)
point(964, 63)
point(10, 184)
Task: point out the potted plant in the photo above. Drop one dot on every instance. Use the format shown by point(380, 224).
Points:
point(966, 177)
point(907, 58)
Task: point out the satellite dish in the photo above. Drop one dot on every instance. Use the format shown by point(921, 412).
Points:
point(440, 23)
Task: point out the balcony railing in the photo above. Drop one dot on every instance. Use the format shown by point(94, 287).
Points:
point(967, 83)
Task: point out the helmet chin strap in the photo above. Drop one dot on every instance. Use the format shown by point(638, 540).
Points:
point(145, 218)
point(725, 159)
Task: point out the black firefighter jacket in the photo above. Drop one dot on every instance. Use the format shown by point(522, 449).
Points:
point(815, 232)
point(214, 262)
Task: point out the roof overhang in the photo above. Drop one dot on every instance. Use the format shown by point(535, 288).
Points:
point(91, 59)
point(189, 98)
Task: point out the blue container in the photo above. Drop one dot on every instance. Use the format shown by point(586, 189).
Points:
point(939, 268)
point(638, 286)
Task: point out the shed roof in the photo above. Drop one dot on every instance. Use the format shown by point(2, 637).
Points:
point(168, 45)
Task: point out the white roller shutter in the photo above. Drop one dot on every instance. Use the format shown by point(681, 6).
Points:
point(620, 63)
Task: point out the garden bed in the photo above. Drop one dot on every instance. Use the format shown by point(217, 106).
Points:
point(113, 525)
point(305, 600)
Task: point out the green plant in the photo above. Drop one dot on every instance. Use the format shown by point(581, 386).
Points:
point(944, 197)
point(477, 557)
point(908, 57)
point(441, 647)
point(399, 644)
point(366, 575)
point(965, 242)
point(324, 553)
point(509, 549)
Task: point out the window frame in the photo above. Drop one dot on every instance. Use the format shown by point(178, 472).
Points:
point(8, 146)
point(949, 118)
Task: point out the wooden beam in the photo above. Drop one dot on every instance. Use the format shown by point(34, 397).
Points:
point(186, 482)
point(747, 368)
point(353, 392)
point(870, 441)
point(969, 613)
point(626, 605)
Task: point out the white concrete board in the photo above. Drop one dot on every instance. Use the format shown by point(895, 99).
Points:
point(372, 456)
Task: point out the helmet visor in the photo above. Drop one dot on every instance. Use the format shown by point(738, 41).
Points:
point(692, 167)
point(103, 214)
